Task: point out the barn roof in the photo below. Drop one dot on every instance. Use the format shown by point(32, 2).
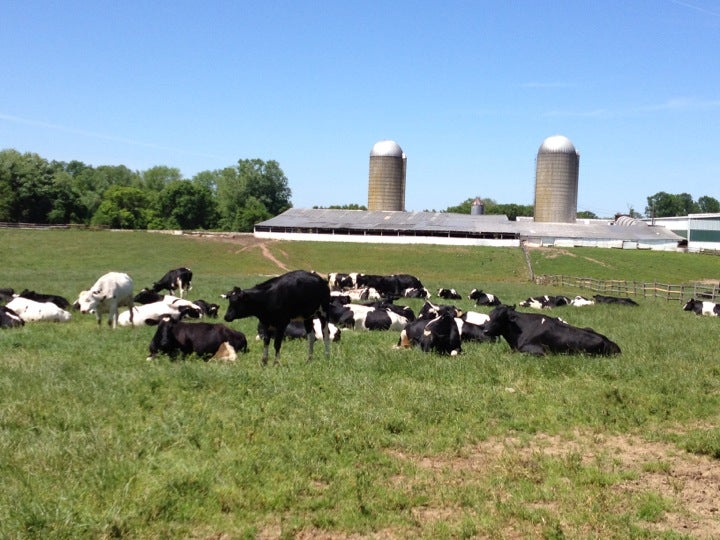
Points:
point(449, 225)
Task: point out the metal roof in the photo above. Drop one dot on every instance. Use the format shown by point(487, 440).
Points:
point(350, 222)
point(386, 148)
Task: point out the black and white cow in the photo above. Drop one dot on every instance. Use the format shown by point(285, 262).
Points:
point(10, 319)
point(207, 340)
point(32, 311)
point(448, 294)
point(393, 286)
point(430, 310)
point(110, 291)
point(545, 302)
point(602, 299)
point(339, 281)
point(59, 301)
point(208, 309)
point(6, 294)
point(440, 335)
point(296, 295)
point(156, 310)
point(540, 334)
point(484, 299)
point(178, 279)
point(376, 318)
point(580, 301)
point(699, 307)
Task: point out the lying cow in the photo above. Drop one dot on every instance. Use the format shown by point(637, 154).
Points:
point(602, 299)
point(710, 309)
point(32, 311)
point(539, 334)
point(155, 311)
point(10, 319)
point(109, 292)
point(448, 294)
point(545, 302)
point(59, 301)
point(484, 299)
point(439, 335)
point(376, 318)
point(207, 340)
point(580, 301)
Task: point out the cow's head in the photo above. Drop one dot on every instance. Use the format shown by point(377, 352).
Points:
point(88, 301)
point(238, 306)
point(690, 304)
point(501, 318)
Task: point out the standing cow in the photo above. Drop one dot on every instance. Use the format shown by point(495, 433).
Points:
point(296, 295)
point(109, 292)
point(178, 279)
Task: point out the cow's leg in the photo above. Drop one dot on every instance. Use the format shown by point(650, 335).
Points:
point(325, 334)
point(279, 335)
point(266, 347)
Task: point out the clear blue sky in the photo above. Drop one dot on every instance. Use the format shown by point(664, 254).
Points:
point(468, 89)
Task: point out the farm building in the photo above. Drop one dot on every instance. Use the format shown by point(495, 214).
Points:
point(323, 225)
point(701, 231)
point(555, 222)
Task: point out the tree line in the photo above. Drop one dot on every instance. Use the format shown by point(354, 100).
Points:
point(35, 190)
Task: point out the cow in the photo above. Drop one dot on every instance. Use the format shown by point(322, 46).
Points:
point(403, 311)
point(340, 282)
point(538, 334)
point(448, 294)
point(473, 317)
point(207, 340)
point(372, 318)
point(484, 299)
point(545, 302)
point(580, 301)
point(296, 330)
point(430, 310)
point(155, 311)
point(178, 279)
point(295, 295)
point(59, 301)
point(110, 291)
point(440, 334)
point(207, 309)
point(32, 311)
point(393, 286)
point(699, 307)
point(6, 294)
point(602, 299)
point(10, 319)
point(473, 332)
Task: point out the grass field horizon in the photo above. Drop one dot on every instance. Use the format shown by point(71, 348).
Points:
point(96, 442)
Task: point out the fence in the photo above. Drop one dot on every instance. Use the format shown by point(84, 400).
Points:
point(663, 291)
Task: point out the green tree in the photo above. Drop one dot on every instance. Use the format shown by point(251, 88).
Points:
point(157, 178)
point(186, 205)
point(708, 205)
point(252, 212)
point(266, 181)
point(122, 207)
point(587, 214)
point(667, 205)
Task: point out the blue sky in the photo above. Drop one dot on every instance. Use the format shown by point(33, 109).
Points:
point(468, 89)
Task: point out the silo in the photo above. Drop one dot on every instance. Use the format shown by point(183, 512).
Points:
point(386, 186)
point(556, 181)
point(477, 207)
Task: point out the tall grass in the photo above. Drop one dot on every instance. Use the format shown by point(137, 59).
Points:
point(95, 442)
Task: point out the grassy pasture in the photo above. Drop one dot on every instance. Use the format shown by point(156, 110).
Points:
point(95, 442)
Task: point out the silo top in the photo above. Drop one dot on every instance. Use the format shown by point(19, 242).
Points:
point(557, 144)
point(386, 148)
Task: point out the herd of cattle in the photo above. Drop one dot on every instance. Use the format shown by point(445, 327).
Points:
point(300, 304)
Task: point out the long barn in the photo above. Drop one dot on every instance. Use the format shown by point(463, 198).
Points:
point(396, 227)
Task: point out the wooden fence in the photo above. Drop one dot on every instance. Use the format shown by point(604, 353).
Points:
point(663, 291)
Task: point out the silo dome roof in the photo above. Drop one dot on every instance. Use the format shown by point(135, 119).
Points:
point(386, 148)
point(557, 144)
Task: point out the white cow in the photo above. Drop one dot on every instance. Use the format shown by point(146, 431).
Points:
point(32, 311)
point(156, 310)
point(110, 291)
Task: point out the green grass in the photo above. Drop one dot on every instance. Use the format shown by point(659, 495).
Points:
point(96, 442)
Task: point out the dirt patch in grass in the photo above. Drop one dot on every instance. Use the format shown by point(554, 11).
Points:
point(688, 484)
point(245, 241)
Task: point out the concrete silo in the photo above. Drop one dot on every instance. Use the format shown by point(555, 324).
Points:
point(556, 181)
point(386, 186)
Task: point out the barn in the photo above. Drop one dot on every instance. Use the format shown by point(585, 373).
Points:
point(443, 228)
